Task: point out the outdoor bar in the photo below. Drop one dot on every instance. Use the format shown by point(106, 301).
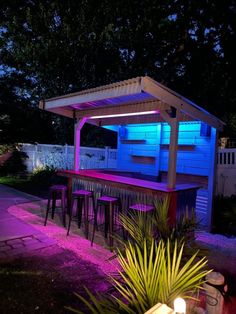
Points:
point(166, 143)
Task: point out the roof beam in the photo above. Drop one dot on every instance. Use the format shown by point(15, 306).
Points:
point(172, 99)
point(61, 111)
point(123, 109)
point(140, 119)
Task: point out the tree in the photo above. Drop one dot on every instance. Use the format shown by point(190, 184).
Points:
point(64, 46)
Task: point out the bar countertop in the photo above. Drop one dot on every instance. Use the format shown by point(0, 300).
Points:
point(122, 181)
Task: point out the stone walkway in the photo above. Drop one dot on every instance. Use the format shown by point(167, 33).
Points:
point(42, 261)
point(24, 245)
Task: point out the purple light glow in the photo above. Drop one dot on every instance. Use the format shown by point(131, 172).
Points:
point(126, 114)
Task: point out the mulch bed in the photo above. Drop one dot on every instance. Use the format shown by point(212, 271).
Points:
point(46, 282)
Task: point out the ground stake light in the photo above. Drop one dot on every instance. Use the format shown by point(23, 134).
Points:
point(179, 306)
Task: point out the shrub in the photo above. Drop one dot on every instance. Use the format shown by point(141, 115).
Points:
point(154, 264)
point(224, 215)
point(142, 227)
point(43, 176)
point(149, 274)
point(15, 164)
point(46, 176)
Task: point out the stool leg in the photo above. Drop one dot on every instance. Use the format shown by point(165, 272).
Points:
point(63, 206)
point(70, 217)
point(54, 198)
point(86, 219)
point(106, 209)
point(94, 209)
point(48, 208)
point(120, 212)
point(111, 220)
point(94, 223)
point(79, 210)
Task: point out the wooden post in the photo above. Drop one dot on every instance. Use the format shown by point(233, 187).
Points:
point(172, 119)
point(78, 126)
point(158, 152)
point(212, 176)
point(174, 130)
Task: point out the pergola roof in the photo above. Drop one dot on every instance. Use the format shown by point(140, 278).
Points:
point(114, 103)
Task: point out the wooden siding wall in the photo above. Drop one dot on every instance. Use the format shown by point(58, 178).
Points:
point(194, 151)
point(146, 149)
point(139, 150)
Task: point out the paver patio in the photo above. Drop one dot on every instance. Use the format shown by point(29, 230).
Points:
point(72, 257)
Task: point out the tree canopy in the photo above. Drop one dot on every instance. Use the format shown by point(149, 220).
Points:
point(49, 48)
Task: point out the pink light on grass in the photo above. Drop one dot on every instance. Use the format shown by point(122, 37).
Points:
point(125, 114)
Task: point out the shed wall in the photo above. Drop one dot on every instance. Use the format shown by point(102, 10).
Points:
point(145, 149)
point(152, 141)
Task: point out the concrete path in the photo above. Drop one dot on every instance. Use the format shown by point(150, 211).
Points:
point(16, 236)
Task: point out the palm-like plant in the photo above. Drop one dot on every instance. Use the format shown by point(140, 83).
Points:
point(142, 226)
point(150, 274)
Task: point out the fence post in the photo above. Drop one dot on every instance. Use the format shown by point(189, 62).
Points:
point(35, 156)
point(66, 156)
point(107, 155)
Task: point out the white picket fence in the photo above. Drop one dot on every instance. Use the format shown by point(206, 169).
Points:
point(226, 172)
point(62, 156)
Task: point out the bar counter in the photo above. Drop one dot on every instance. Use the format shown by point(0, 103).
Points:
point(182, 196)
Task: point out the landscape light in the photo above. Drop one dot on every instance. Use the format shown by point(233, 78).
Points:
point(179, 306)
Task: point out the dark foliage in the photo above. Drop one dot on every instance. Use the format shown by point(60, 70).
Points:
point(49, 48)
point(46, 176)
point(224, 219)
point(14, 165)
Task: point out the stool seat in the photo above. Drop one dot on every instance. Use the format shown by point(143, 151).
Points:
point(58, 187)
point(107, 199)
point(142, 207)
point(82, 193)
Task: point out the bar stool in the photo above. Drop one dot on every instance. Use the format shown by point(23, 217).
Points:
point(82, 197)
point(57, 192)
point(109, 203)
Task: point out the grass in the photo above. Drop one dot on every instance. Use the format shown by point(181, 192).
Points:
point(25, 185)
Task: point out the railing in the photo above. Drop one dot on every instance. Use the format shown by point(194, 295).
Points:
point(226, 172)
point(226, 157)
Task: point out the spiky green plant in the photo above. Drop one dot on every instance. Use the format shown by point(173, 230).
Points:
point(149, 275)
point(139, 227)
point(142, 226)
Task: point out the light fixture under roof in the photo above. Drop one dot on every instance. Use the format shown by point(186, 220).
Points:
point(125, 114)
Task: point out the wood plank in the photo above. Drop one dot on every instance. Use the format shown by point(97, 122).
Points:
point(143, 159)
point(179, 147)
point(133, 141)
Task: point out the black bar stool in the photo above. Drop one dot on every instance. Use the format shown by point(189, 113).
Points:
point(82, 197)
point(109, 203)
point(57, 192)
